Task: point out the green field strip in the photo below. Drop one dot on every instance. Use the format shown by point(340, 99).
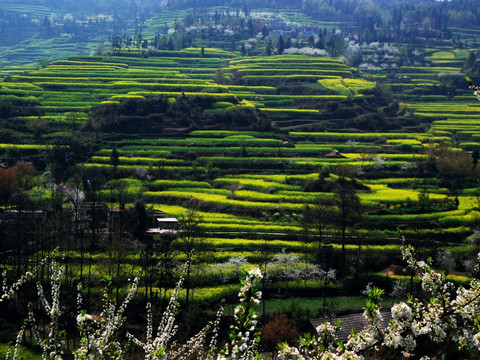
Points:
point(26, 147)
point(296, 112)
point(385, 156)
point(275, 162)
point(175, 184)
point(441, 55)
point(251, 228)
point(298, 150)
point(294, 97)
point(28, 52)
point(131, 85)
point(139, 152)
point(454, 128)
point(469, 145)
point(183, 57)
point(134, 167)
point(364, 136)
point(186, 64)
point(79, 118)
point(209, 217)
point(448, 63)
point(277, 178)
point(291, 77)
point(441, 108)
point(455, 122)
point(225, 133)
point(219, 96)
point(66, 108)
point(100, 77)
point(283, 196)
point(222, 200)
point(138, 160)
point(32, 10)
point(280, 71)
point(254, 243)
point(255, 184)
point(407, 182)
point(381, 193)
point(300, 67)
point(229, 140)
point(286, 59)
point(425, 69)
point(243, 161)
point(425, 82)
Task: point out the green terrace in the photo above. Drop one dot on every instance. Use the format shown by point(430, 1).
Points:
point(76, 84)
point(271, 196)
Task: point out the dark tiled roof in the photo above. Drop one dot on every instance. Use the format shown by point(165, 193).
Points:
point(349, 322)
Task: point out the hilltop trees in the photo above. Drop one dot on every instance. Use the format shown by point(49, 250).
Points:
point(152, 115)
point(456, 168)
point(471, 67)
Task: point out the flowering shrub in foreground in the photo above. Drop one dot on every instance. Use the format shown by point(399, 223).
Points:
point(476, 88)
point(8, 291)
point(448, 316)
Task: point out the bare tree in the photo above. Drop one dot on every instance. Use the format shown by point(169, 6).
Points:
point(348, 210)
point(191, 242)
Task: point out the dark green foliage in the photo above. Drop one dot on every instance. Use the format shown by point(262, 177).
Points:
point(472, 67)
point(376, 111)
point(18, 107)
point(155, 116)
point(130, 116)
point(139, 220)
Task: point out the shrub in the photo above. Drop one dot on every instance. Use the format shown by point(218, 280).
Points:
point(277, 331)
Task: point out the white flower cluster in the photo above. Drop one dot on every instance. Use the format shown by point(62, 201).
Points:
point(265, 15)
point(51, 344)
point(447, 316)
point(367, 67)
point(156, 348)
point(244, 341)
point(383, 57)
point(9, 291)
point(98, 335)
point(353, 49)
point(378, 161)
point(476, 90)
point(289, 267)
point(305, 51)
point(197, 28)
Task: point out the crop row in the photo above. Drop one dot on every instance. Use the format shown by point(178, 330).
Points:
point(149, 149)
point(367, 136)
point(215, 199)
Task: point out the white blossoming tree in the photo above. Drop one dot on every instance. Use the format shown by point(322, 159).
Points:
point(97, 333)
point(163, 347)
point(243, 335)
point(443, 317)
point(8, 291)
point(475, 88)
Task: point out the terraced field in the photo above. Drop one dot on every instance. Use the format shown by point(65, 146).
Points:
point(253, 187)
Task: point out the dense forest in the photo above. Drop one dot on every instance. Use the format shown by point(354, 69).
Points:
point(384, 21)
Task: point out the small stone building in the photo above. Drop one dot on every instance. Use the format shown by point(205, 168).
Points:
point(166, 223)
